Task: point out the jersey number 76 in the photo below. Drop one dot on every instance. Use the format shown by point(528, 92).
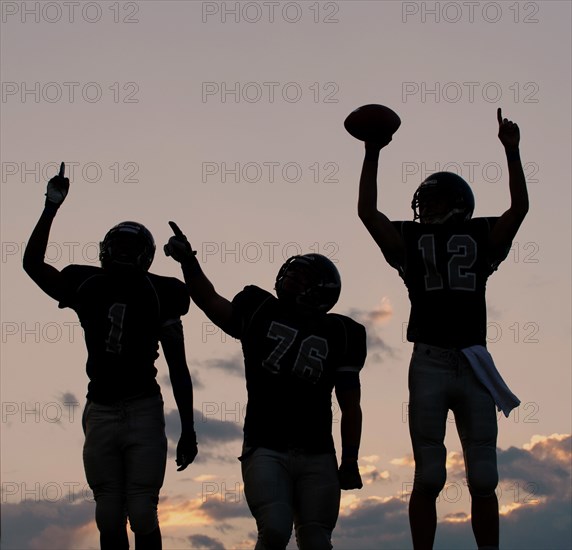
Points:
point(308, 364)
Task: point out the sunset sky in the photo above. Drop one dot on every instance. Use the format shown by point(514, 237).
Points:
point(227, 117)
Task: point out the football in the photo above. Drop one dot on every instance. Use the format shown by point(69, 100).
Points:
point(372, 123)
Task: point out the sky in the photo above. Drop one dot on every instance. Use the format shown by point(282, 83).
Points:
point(227, 117)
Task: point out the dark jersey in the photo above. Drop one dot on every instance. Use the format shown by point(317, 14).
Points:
point(292, 362)
point(122, 316)
point(445, 270)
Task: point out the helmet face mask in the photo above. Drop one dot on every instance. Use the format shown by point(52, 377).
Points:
point(443, 197)
point(127, 245)
point(310, 281)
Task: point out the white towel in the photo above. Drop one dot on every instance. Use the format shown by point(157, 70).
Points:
point(484, 368)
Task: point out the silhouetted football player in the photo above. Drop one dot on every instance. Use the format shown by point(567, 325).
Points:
point(445, 261)
point(295, 354)
point(125, 311)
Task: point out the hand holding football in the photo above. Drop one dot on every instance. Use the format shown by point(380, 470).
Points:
point(372, 123)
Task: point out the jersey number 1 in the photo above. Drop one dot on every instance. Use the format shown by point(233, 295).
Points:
point(116, 314)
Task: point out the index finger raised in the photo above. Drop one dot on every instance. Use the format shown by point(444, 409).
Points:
point(176, 230)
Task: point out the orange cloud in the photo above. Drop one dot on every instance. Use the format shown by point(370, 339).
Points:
point(184, 513)
point(382, 313)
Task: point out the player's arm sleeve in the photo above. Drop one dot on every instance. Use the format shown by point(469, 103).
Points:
point(495, 253)
point(174, 300)
point(501, 233)
point(244, 304)
point(347, 374)
point(388, 238)
point(348, 391)
point(399, 260)
point(70, 280)
point(179, 300)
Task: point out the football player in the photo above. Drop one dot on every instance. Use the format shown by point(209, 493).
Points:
point(445, 260)
point(125, 311)
point(295, 354)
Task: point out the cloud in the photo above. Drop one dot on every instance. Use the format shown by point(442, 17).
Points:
point(535, 485)
point(45, 525)
point(543, 465)
point(68, 397)
point(370, 474)
point(234, 365)
point(537, 479)
point(165, 381)
point(404, 461)
point(217, 506)
point(371, 319)
point(211, 434)
point(231, 506)
point(201, 542)
point(376, 316)
point(373, 523)
point(377, 348)
point(382, 313)
point(210, 431)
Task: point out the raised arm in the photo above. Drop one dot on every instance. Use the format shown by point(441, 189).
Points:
point(217, 308)
point(378, 224)
point(46, 276)
point(173, 344)
point(507, 226)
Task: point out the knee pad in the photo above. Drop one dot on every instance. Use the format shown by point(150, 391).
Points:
point(274, 524)
point(275, 537)
point(313, 536)
point(430, 471)
point(142, 512)
point(483, 482)
point(110, 514)
point(482, 473)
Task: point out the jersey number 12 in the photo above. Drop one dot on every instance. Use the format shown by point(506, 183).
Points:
point(464, 254)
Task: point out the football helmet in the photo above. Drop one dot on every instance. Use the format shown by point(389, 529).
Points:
point(127, 244)
point(311, 281)
point(443, 196)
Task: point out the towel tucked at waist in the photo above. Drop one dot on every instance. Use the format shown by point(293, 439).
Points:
point(484, 368)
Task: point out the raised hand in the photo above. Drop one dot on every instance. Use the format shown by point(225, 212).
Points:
point(376, 146)
point(178, 246)
point(509, 133)
point(58, 188)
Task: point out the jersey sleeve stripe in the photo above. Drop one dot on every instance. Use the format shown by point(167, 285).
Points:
point(348, 369)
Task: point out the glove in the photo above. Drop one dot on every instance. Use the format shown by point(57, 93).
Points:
point(57, 189)
point(179, 247)
point(186, 449)
point(349, 476)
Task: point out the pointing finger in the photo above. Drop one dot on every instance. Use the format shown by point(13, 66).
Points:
point(62, 170)
point(499, 115)
point(176, 230)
